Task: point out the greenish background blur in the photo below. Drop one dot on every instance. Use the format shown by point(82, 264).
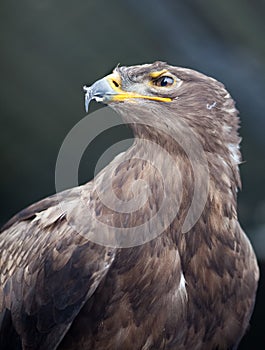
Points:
point(50, 49)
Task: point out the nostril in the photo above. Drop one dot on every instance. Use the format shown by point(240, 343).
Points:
point(115, 83)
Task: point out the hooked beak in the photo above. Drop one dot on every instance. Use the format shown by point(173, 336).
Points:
point(109, 89)
point(101, 91)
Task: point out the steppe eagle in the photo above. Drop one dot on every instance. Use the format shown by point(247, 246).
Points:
point(186, 279)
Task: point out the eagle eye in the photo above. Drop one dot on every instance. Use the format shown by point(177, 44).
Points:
point(163, 81)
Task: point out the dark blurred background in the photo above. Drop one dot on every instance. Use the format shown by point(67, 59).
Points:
point(50, 49)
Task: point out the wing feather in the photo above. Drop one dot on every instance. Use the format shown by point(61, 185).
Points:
point(48, 271)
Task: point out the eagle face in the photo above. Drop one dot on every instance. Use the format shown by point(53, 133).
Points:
point(127, 83)
point(154, 82)
point(182, 94)
point(180, 289)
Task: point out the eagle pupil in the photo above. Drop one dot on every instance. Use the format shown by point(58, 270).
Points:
point(164, 81)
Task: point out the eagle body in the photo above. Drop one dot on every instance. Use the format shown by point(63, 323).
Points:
point(160, 281)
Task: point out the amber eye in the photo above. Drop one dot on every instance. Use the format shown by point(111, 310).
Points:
point(163, 81)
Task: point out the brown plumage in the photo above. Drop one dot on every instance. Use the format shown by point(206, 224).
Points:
point(179, 290)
